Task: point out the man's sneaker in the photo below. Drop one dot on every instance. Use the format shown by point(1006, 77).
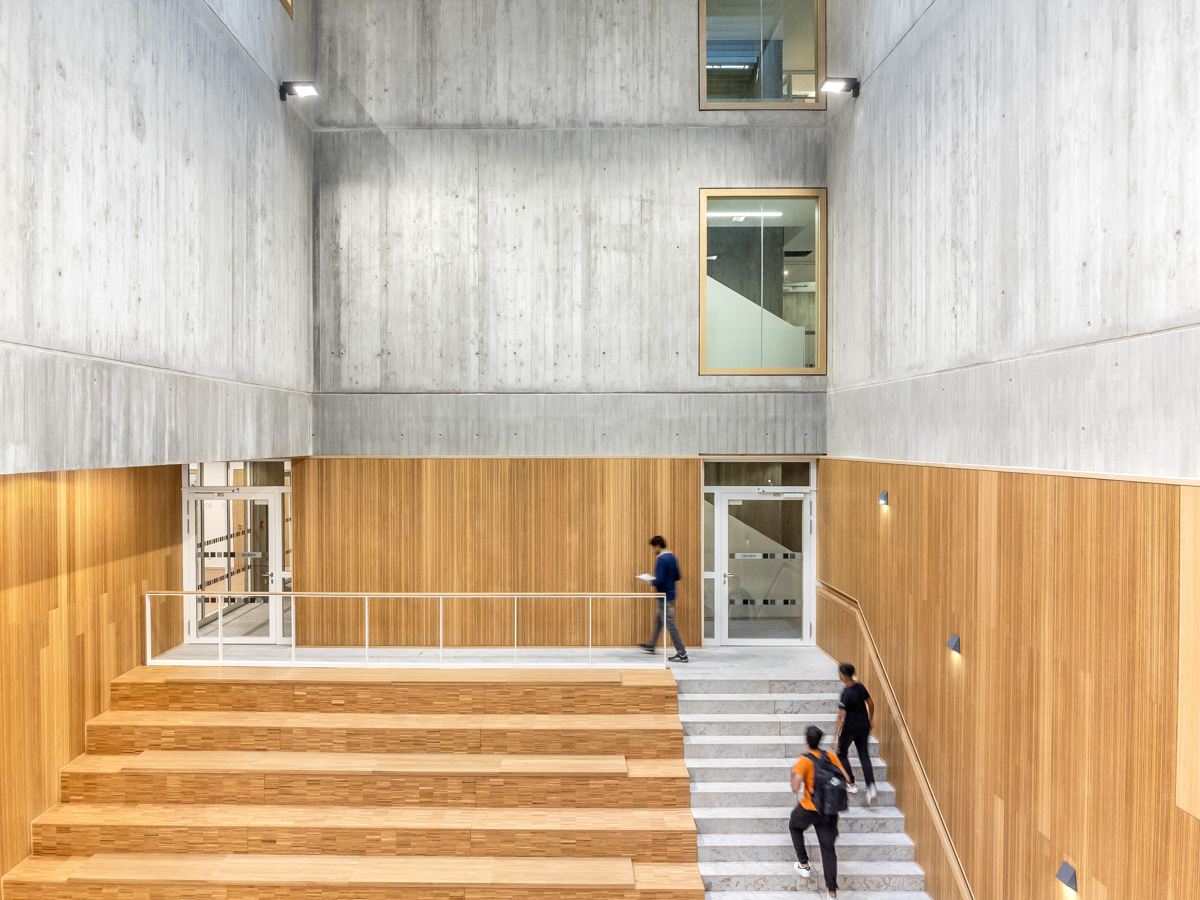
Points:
point(852, 789)
point(805, 871)
point(872, 793)
point(649, 648)
point(678, 657)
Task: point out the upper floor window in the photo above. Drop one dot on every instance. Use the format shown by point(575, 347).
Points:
point(762, 54)
point(762, 285)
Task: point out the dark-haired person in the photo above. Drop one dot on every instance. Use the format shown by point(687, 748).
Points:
point(666, 573)
point(805, 813)
point(856, 716)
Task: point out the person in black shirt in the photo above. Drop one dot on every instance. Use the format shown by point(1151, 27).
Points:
point(856, 717)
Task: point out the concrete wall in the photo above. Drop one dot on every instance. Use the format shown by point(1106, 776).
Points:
point(155, 304)
point(508, 208)
point(1015, 208)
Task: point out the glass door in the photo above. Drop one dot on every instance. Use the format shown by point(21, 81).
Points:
point(764, 586)
point(236, 544)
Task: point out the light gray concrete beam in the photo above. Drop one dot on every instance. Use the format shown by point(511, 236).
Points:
point(568, 424)
point(283, 46)
point(1128, 407)
point(529, 260)
point(516, 64)
point(62, 411)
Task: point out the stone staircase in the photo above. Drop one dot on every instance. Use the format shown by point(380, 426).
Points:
point(741, 738)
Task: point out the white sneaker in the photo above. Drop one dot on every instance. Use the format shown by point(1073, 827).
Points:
point(852, 789)
point(805, 871)
point(872, 793)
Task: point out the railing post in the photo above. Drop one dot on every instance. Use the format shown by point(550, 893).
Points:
point(514, 630)
point(220, 630)
point(293, 632)
point(147, 629)
point(664, 631)
point(589, 631)
point(367, 629)
point(441, 620)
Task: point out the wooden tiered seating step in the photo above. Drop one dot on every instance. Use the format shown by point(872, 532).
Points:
point(426, 691)
point(376, 779)
point(642, 835)
point(192, 876)
point(323, 784)
point(636, 736)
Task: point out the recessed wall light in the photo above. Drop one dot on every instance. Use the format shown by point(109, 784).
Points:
point(297, 89)
point(840, 86)
point(955, 644)
point(1066, 874)
point(883, 499)
point(712, 257)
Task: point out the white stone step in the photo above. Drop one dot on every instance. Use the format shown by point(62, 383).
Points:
point(853, 875)
point(774, 820)
point(791, 895)
point(754, 746)
point(766, 723)
point(778, 847)
point(697, 684)
point(759, 770)
point(742, 794)
point(762, 703)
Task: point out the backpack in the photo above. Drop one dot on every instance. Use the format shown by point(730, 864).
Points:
point(829, 786)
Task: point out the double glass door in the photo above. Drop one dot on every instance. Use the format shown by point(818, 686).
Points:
point(761, 586)
point(238, 542)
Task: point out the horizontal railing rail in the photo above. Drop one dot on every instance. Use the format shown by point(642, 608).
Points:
point(225, 599)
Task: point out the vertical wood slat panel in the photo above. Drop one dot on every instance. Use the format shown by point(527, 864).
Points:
point(78, 552)
point(1187, 765)
point(491, 526)
point(1056, 728)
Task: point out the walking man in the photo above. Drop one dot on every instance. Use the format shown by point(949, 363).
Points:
point(856, 716)
point(821, 778)
point(666, 574)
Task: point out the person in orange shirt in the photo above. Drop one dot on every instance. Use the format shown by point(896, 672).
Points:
point(805, 813)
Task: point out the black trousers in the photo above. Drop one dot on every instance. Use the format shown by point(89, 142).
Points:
point(672, 629)
point(826, 828)
point(861, 739)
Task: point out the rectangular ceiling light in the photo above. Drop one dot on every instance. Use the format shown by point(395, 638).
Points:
point(743, 215)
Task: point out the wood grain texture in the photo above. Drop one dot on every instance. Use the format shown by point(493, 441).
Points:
point(1187, 762)
point(78, 550)
point(1055, 730)
point(491, 526)
point(293, 796)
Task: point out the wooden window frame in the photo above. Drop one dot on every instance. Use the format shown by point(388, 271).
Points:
point(821, 196)
point(818, 104)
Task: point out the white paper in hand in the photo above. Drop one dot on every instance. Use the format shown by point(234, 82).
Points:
point(646, 577)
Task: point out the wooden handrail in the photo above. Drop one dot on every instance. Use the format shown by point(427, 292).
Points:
point(910, 747)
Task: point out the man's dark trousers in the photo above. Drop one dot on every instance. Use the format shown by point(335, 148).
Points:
point(826, 828)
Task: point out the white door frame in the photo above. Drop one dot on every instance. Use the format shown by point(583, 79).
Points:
point(720, 574)
point(273, 497)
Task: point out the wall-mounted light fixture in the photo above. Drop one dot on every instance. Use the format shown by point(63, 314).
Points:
point(955, 644)
point(1066, 874)
point(840, 86)
point(297, 89)
point(883, 499)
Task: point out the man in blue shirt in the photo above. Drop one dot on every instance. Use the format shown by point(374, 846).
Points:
point(666, 574)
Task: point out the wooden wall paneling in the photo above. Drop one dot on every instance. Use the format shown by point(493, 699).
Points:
point(493, 526)
point(78, 552)
point(1056, 727)
point(1187, 763)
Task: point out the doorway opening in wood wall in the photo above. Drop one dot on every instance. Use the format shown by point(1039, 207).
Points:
point(759, 551)
point(237, 538)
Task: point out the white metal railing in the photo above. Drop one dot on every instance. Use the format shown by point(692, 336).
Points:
point(190, 636)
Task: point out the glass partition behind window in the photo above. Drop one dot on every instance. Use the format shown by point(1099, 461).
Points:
point(762, 53)
point(762, 297)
